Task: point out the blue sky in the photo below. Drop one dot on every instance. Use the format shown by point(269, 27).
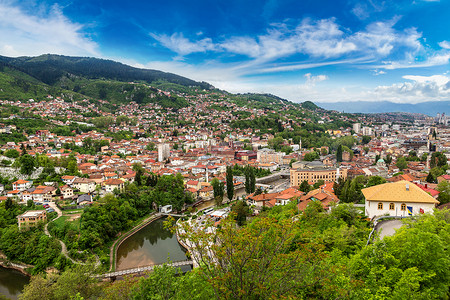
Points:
point(323, 51)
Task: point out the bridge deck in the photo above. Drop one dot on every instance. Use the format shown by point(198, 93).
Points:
point(144, 269)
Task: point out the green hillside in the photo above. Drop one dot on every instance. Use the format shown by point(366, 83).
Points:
point(51, 68)
point(16, 85)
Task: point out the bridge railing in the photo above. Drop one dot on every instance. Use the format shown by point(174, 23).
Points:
point(145, 268)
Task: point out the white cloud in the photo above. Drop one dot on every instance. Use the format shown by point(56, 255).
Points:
point(417, 89)
point(378, 72)
point(445, 44)
point(48, 32)
point(312, 80)
point(183, 46)
point(317, 39)
point(435, 60)
point(360, 11)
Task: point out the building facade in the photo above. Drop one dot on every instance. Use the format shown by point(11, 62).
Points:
point(31, 218)
point(313, 174)
point(401, 198)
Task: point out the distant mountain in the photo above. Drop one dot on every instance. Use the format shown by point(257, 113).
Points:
point(50, 68)
point(429, 108)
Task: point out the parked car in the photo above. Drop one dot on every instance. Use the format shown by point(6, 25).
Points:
point(38, 203)
point(46, 206)
point(49, 210)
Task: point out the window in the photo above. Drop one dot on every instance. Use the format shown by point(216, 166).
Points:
point(380, 205)
point(403, 207)
point(391, 206)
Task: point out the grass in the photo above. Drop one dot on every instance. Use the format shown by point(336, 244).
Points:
point(64, 219)
point(72, 211)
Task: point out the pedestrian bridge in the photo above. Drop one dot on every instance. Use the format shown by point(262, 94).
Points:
point(149, 268)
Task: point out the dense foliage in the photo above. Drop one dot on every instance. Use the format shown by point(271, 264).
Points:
point(28, 246)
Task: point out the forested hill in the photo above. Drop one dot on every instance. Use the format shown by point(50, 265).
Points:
point(78, 78)
point(50, 68)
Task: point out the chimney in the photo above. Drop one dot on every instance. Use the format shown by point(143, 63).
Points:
point(407, 187)
point(426, 185)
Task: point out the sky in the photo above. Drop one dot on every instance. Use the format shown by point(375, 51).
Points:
point(316, 50)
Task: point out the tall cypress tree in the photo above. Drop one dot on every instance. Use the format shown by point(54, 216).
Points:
point(247, 180)
point(339, 154)
point(230, 184)
point(252, 180)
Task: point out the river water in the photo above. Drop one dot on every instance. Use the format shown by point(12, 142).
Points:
point(153, 244)
point(12, 282)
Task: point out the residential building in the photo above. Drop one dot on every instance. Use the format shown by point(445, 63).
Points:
point(22, 185)
point(112, 184)
point(163, 152)
point(357, 127)
point(31, 218)
point(265, 156)
point(66, 191)
point(84, 185)
point(401, 198)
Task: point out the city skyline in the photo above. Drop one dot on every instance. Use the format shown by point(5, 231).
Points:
point(322, 51)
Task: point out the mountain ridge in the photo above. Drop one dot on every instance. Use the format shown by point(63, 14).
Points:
point(430, 108)
point(49, 68)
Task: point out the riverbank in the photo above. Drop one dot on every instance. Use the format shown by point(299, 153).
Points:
point(12, 282)
point(22, 268)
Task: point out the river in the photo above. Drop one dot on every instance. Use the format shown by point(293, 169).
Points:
point(153, 244)
point(12, 282)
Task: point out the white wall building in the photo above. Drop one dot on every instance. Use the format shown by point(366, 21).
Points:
point(163, 152)
point(400, 198)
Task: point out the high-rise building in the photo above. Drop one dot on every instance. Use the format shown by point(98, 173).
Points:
point(367, 131)
point(357, 127)
point(163, 152)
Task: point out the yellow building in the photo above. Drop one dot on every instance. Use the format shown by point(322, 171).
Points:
point(401, 198)
point(313, 173)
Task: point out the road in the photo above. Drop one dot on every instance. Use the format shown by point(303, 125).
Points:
point(388, 228)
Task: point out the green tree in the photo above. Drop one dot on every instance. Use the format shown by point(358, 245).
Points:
point(218, 189)
point(375, 180)
point(339, 154)
point(407, 264)
point(12, 153)
point(276, 143)
point(27, 164)
point(388, 159)
point(252, 180)
point(438, 159)
point(366, 139)
point(230, 183)
point(261, 261)
point(401, 163)
point(430, 178)
point(166, 283)
point(240, 210)
point(377, 157)
point(318, 184)
point(310, 156)
point(304, 186)
point(444, 188)
point(79, 280)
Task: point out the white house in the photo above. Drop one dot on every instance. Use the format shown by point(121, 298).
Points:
point(84, 185)
point(401, 198)
point(112, 184)
point(22, 185)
